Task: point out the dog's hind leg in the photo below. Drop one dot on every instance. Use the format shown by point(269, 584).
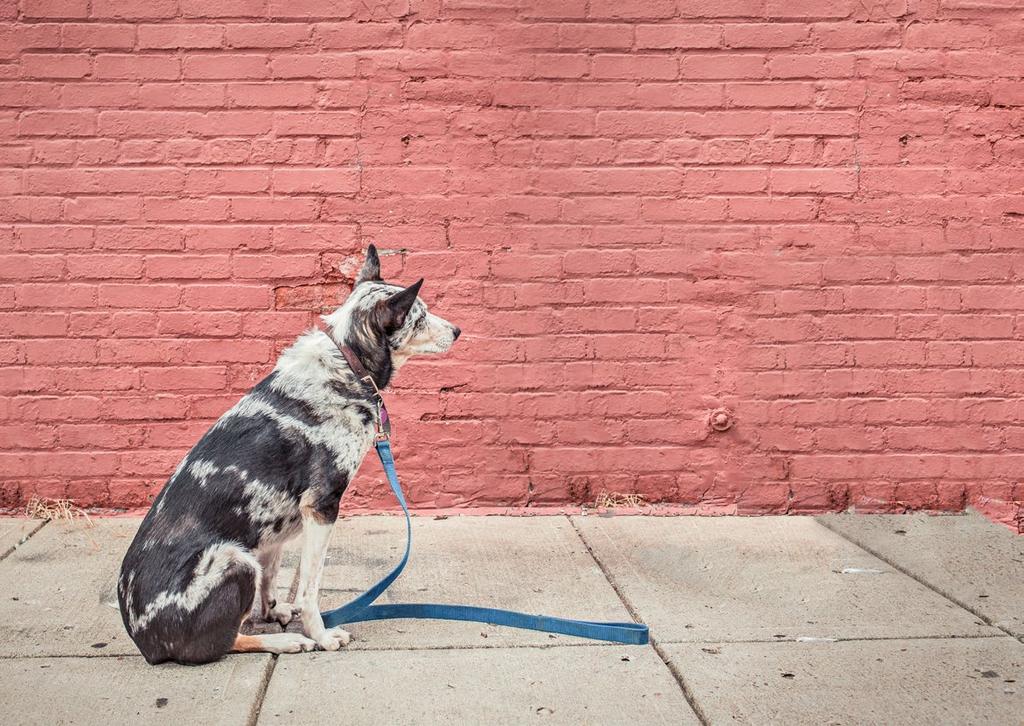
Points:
point(199, 624)
point(273, 643)
point(270, 609)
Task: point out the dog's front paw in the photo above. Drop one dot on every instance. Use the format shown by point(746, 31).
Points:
point(281, 612)
point(290, 643)
point(333, 639)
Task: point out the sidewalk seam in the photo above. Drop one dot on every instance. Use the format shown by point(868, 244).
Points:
point(687, 693)
point(268, 672)
point(23, 540)
point(920, 580)
point(261, 692)
point(558, 646)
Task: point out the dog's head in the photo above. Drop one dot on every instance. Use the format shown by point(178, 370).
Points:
point(382, 318)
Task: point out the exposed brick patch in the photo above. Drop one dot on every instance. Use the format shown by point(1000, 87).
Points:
point(806, 213)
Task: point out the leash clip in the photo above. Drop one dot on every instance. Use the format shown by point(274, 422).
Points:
point(383, 421)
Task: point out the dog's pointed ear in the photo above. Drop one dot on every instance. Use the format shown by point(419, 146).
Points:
point(399, 304)
point(370, 271)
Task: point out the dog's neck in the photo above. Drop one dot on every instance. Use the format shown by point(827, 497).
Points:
point(373, 355)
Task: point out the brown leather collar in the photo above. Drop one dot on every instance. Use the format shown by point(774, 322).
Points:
point(383, 420)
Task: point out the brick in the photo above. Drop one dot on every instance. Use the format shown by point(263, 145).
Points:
point(193, 378)
point(598, 263)
point(225, 297)
point(98, 35)
point(689, 35)
point(55, 65)
point(180, 36)
point(765, 35)
point(133, 9)
point(188, 267)
point(824, 123)
point(227, 237)
point(106, 95)
point(53, 237)
point(226, 9)
point(229, 351)
point(311, 8)
point(809, 8)
point(278, 209)
point(721, 8)
point(309, 181)
point(55, 9)
point(324, 123)
point(135, 66)
point(231, 123)
point(814, 181)
point(166, 209)
point(598, 35)
point(104, 266)
point(194, 324)
point(631, 9)
point(770, 95)
point(31, 267)
point(777, 209)
point(139, 295)
point(814, 65)
point(643, 67)
point(321, 65)
point(271, 95)
point(266, 35)
point(225, 66)
point(352, 36)
point(29, 94)
point(262, 267)
point(856, 35)
point(725, 66)
point(138, 238)
point(23, 324)
point(946, 35)
point(62, 123)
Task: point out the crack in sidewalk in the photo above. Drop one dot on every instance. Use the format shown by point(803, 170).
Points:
point(687, 693)
point(268, 672)
point(4, 554)
point(920, 580)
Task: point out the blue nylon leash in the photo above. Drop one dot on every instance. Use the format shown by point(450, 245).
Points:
point(362, 608)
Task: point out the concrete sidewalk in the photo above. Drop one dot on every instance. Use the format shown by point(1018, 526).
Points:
point(840, 620)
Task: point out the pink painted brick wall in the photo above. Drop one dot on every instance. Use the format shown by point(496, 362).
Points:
point(807, 212)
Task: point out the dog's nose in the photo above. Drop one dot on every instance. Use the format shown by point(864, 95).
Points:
point(456, 332)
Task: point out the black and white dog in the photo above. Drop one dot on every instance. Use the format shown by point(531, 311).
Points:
point(275, 464)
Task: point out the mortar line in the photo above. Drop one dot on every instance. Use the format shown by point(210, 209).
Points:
point(655, 645)
point(920, 580)
point(23, 540)
point(554, 646)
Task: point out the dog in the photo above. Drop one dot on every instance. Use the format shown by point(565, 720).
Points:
point(275, 465)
